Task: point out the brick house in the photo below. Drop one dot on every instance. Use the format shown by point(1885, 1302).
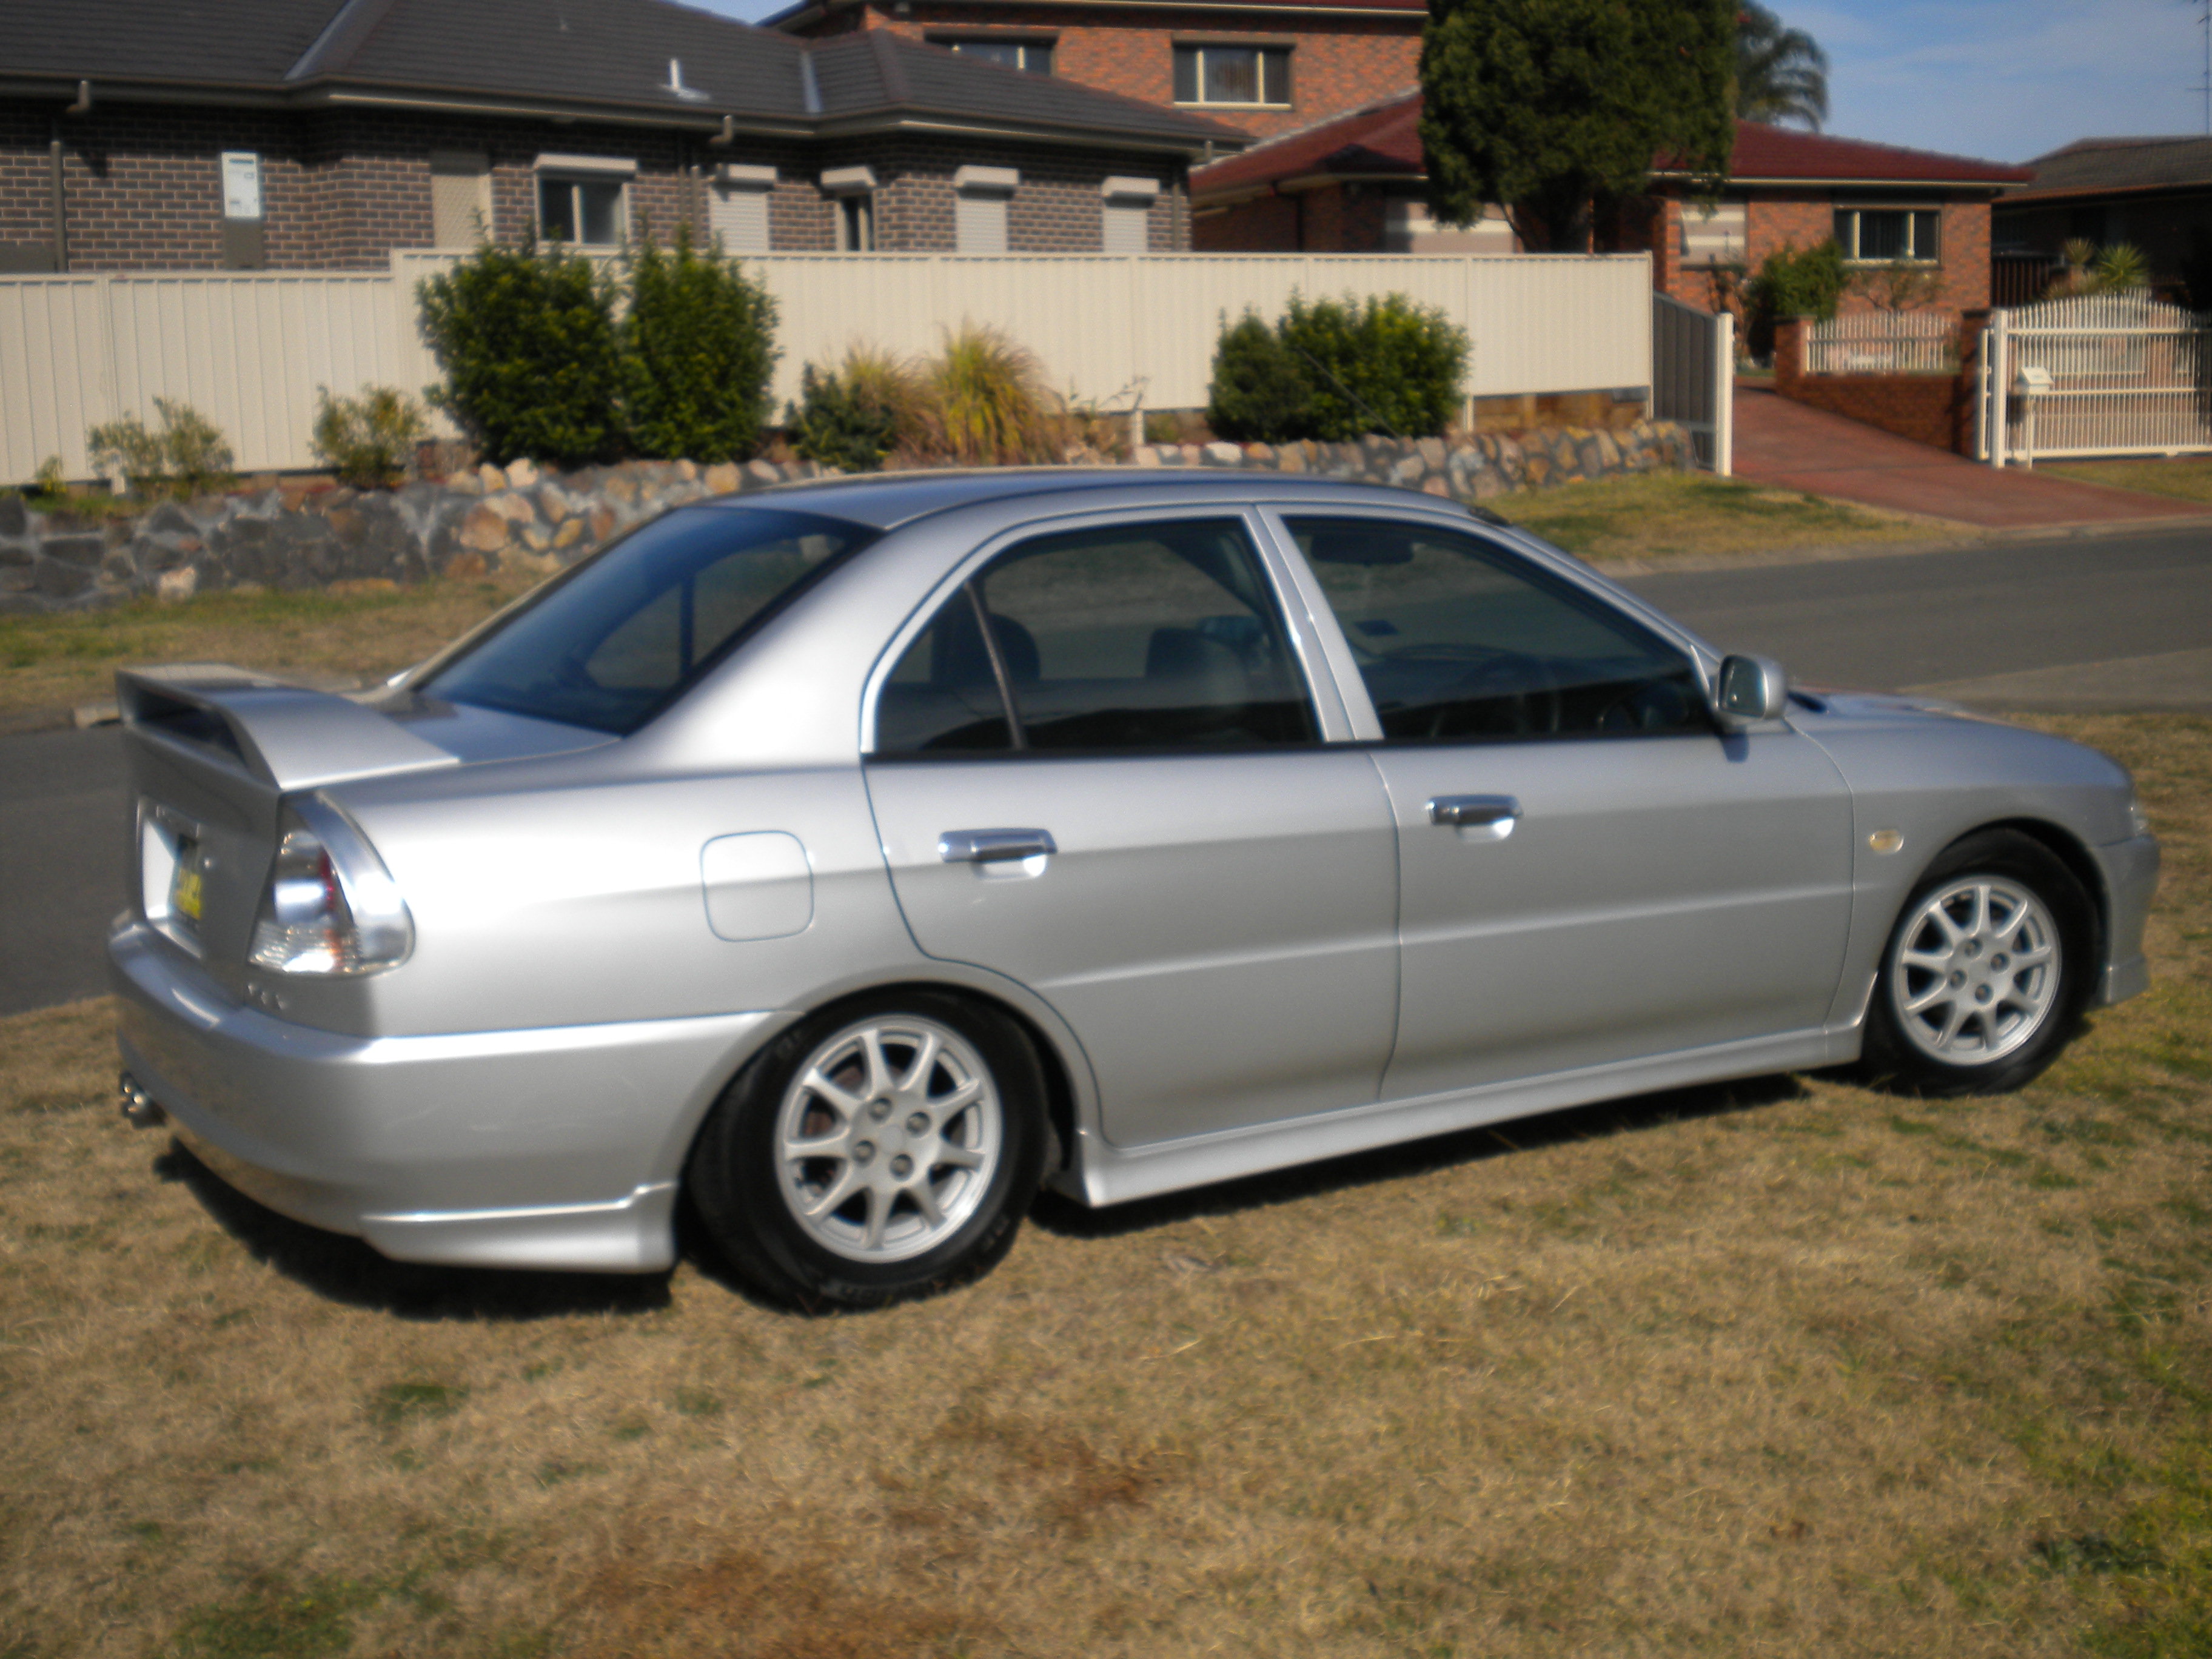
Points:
point(1357, 183)
point(2154, 193)
point(324, 134)
point(1265, 66)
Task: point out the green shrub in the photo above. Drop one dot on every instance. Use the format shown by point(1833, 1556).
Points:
point(1261, 391)
point(698, 351)
point(1336, 369)
point(189, 456)
point(984, 402)
point(532, 358)
point(1790, 283)
point(368, 440)
point(854, 417)
point(1379, 365)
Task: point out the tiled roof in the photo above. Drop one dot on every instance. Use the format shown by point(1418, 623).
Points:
point(2098, 166)
point(1764, 152)
point(1385, 137)
point(597, 51)
point(805, 13)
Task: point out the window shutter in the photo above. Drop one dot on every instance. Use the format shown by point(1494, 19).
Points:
point(1127, 229)
point(460, 199)
point(738, 214)
point(979, 223)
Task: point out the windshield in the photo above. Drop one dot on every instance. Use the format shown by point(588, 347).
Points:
point(625, 633)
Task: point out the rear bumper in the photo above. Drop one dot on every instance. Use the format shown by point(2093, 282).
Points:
point(2130, 872)
point(551, 1148)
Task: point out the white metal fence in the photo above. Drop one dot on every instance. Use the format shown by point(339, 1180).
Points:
point(249, 349)
point(1884, 342)
point(1694, 377)
point(2096, 375)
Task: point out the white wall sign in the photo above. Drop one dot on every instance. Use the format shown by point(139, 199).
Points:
point(241, 184)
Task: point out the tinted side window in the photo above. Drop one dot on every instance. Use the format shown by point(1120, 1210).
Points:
point(943, 695)
point(1154, 636)
point(1459, 640)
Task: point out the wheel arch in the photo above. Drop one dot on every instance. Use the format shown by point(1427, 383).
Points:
point(2075, 856)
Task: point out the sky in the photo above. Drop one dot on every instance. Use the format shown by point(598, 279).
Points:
point(2003, 80)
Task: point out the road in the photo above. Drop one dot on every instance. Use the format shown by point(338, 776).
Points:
point(2128, 618)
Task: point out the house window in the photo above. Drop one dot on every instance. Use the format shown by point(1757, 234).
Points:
point(1035, 55)
point(852, 193)
point(1127, 225)
point(1888, 235)
point(460, 198)
point(1232, 74)
point(979, 207)
point(737, 208)
point(583, 200)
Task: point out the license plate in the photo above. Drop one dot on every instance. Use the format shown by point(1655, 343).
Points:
point(185, 886)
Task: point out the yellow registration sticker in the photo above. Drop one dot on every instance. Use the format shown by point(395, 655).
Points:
point(185, 893)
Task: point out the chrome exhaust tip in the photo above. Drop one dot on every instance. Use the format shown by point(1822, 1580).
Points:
point(140, 1110)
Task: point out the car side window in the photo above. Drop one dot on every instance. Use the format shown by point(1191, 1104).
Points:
point(1460, 641)
point(1135, 636)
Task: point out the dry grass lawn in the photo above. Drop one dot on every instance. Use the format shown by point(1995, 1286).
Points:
point(366, 630)
point(2188, 477)
point(1788, 1369)
point(1664, 519)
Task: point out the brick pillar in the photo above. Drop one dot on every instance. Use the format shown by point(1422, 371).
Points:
point(1789, 353)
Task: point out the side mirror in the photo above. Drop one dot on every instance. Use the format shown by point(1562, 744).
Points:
point(1750, 690)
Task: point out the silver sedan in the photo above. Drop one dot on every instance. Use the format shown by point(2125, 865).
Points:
point(852, 858)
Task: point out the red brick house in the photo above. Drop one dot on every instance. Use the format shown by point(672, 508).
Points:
point(1356, 183)
point(1265, 66)
point(324, 134)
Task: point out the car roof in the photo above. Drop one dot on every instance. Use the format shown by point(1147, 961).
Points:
point(888, 500)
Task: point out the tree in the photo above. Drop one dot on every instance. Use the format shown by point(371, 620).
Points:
point(1781, 74)
point(1547, 106)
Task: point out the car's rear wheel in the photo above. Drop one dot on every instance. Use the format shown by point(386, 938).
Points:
point(1986, 971)
point(881, 1149)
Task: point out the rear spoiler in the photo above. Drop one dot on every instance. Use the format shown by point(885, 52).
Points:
point(280, 734)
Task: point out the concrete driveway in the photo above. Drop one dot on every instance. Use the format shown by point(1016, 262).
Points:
point(1792, 446)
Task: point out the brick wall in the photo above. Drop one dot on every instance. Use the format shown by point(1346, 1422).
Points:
point(1333, 219)
point(1936, 410)
point(1778, 219)
point(340, 190)
point(1336, 63)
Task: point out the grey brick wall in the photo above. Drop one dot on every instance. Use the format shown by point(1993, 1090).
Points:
point(342, 189)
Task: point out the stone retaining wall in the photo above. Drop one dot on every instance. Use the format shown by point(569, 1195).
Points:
point(521, 519)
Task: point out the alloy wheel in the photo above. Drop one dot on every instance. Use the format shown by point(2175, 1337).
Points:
point(888, 1138)
point(1977, 970)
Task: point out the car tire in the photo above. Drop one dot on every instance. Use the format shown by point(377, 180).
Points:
point(828, 1178)
point(1986, 972)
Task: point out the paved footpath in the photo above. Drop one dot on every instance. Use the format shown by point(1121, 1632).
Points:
point(1796, 448)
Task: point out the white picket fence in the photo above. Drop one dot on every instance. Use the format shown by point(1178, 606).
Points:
point(1694, 377)
point(2096, 375)
point(1884, 342)
point(249, 349)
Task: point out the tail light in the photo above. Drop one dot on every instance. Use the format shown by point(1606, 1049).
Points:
point(331, 906)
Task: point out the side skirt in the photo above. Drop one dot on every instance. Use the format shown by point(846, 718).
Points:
point(1105, 1175)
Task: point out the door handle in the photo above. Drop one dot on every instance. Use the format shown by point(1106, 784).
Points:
point(1496, 813)
point(993, 846)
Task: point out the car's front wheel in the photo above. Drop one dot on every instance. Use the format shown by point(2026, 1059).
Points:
point(1986, 971)
point(878, 1151)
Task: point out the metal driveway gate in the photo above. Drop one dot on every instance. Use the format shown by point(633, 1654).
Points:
point(2097, 374)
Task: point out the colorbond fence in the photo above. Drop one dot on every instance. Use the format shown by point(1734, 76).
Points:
point(249, 349)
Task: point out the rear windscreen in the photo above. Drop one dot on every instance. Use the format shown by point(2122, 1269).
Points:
point(622, 636)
